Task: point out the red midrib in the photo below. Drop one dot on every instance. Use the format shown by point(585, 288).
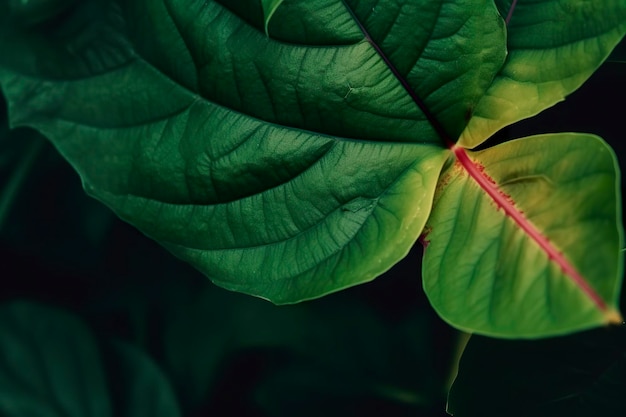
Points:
point(503, 201)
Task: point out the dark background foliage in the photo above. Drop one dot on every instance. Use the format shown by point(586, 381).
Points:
point(375, 349)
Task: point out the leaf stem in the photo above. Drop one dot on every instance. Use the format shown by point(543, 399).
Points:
point(462, 338)
point(510, 13)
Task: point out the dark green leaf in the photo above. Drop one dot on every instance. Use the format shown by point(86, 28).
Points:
point(51, 366)
point(140, 387)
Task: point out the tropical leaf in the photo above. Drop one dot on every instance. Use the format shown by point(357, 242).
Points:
point(223, 172)
point(553, 47)
point(296, 164)
point(553, 220)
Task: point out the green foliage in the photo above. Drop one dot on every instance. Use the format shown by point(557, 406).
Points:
point(569, 194)
point(290, 149)
point(547, 58)
point(51, 365)
point(298, 164)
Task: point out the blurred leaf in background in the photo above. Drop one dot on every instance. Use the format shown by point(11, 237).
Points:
point(51, 365)
point(353, 350)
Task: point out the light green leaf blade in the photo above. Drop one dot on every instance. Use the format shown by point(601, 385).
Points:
point(484, 273)
point(270, 175)
point(554, 46)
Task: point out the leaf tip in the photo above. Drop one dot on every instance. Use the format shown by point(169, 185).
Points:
point(613, 316)
point(269, 8)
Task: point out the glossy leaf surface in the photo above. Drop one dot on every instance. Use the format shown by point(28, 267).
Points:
point(286, 193)
point(296, 164)
point(553, 47)
point(531, 256)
